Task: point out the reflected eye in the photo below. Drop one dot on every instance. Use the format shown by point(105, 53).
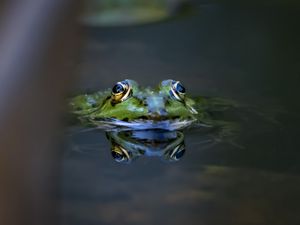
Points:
point(120, 154)
point(178, 91)
point(177, 153)
point(121, 91)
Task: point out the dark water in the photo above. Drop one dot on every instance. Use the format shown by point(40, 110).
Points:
point(247, 53)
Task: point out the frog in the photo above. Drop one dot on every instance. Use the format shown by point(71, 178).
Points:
point(129, 106)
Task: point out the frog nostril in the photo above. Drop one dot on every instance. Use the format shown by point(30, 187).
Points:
point(162, 112)
point(159, 112)
point(143, 117)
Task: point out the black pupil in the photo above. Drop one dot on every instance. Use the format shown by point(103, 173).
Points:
point(117, 156)
point(179, 154)
point(180, 88)
point(118, 88)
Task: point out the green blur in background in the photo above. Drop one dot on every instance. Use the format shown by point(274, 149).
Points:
point(128, 12)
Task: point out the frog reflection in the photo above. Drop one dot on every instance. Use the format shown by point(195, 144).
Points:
point(127, 146)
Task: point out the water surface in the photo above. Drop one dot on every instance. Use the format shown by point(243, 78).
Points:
point(249, 54)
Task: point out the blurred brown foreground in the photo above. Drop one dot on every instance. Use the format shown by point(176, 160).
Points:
point(37, 40)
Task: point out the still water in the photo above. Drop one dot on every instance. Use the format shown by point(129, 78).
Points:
point(249, 54)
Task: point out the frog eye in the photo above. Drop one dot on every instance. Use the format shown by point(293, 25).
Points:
point(121, 91)
point(176, 153)
point(120, 154)
point(178, 90)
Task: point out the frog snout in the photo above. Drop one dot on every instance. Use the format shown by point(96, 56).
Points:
point(158, 116)
point(156, 107)
point(159, 112)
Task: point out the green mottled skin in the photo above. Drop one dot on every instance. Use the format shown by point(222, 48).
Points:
point(99, 106)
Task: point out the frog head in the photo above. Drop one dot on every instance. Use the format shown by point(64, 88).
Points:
point(128, 102)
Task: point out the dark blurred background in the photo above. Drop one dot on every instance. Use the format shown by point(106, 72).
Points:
point(49, 50)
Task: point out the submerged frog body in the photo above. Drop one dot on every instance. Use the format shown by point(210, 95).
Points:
point(129, 106)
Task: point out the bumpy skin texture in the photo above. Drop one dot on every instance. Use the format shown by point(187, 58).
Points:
point(142, 104)
point(151, 106)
